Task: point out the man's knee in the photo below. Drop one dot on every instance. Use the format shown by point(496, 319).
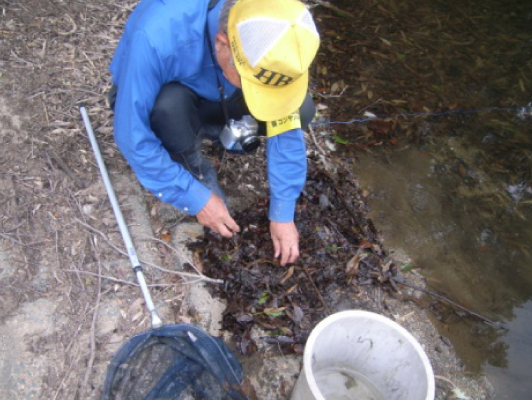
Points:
point(173, 98)
point(174, 117)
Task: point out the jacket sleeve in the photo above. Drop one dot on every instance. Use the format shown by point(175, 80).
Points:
point(139, 85)
point(287, 171)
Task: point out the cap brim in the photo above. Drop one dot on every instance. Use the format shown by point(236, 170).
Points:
point(272, 103)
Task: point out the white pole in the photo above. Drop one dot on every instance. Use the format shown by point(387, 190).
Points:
point(155, 319)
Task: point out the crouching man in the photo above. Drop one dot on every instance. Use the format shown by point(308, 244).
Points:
point(228, 70)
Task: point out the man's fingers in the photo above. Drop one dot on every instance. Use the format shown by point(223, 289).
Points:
point(276, 247)
point(232, 225)
point(289, 254)
point(285, 253)
point(226, 228)
point(285, 240)
point(229, 227)
point(222, 230)
point(216, 217)
point(294, 254)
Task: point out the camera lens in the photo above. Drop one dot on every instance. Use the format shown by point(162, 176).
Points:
point(250, 143)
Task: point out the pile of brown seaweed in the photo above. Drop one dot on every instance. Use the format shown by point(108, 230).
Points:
point(340, 258)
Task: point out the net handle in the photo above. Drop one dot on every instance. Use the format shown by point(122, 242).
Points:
point(156, 321)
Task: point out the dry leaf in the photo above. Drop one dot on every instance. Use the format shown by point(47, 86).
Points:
point(166, 236)
point(287, 275)
point(274, 310)
point(292, 288)
point(137, 316)
point(136, 305)
point(351, 268)
point(193, 235)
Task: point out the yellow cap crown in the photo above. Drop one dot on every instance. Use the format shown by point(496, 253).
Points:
point(273, 44)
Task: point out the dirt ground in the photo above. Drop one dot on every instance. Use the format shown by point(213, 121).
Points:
point(68, 297)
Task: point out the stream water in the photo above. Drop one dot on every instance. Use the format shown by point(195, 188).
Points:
point(471, 244)
point(457, 200)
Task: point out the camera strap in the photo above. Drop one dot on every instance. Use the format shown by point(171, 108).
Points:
point(212, 4)
point(216, 66)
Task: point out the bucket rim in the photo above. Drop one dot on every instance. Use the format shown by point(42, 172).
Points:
point(326, 322)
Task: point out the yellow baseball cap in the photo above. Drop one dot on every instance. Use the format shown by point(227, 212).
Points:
point(273, 43)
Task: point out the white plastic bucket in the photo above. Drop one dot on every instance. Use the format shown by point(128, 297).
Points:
point(361, 355)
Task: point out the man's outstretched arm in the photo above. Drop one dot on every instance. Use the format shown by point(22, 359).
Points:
point(287, 171)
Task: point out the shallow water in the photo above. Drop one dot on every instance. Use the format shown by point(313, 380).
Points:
point(455, 193)
point(472, 243)
point(343, 384)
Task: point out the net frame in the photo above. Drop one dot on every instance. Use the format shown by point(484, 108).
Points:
point(174, 362)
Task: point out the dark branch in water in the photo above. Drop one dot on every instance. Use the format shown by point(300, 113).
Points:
point(498, 325)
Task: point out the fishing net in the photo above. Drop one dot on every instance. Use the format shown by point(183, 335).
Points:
point(174, 362)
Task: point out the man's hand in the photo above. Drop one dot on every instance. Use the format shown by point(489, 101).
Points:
point(215, 216)
point(285, 241)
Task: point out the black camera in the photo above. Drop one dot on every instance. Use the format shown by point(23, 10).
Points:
point(241, 135)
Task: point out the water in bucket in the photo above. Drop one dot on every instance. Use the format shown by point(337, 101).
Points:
point(359, 355)
point(346, 384)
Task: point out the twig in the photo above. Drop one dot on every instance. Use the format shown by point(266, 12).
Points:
point(378, 295)
point(110, 278)
point(46, 113)
point(93, 323)
point(52, 155)
point(89, 60)
point(317, 290)
point(311, 131)
point(17, 58)
point(67, 91)
point(77, 270)
point(322, 154)
point(72, 30)
point(451, 302)
point(442, 378)
point(12, 240)
point(222, 161)
point(180, 273)
point(57, 257)
point(337, 10)
point(67, 375)
point(13, 228)
point(7, 237)
point(332, 96)
point(186, 274)
point(74, 338)
point(261, 261)
point(186, 259)
point(369, 106)
point(121, 6)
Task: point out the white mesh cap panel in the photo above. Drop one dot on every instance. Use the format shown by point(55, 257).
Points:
point(259, 35)
point(306, 21)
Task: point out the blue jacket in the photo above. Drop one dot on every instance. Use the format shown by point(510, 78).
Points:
point(164, 41)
